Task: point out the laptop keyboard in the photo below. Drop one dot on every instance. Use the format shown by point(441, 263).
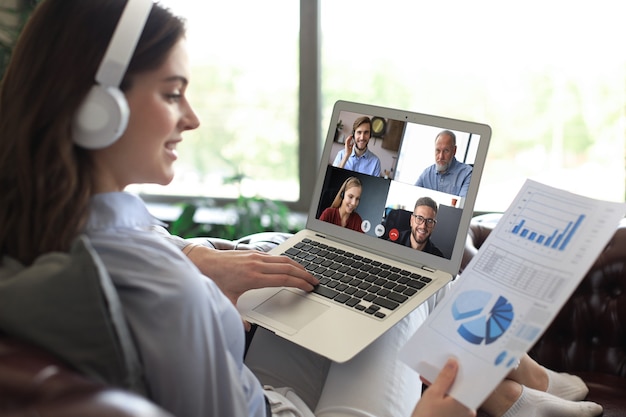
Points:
point(366, 285)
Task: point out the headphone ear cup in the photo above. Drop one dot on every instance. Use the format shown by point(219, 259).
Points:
point(343, 193)
point(101, 118)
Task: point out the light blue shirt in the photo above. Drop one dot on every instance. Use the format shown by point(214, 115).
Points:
point(368, 163)
point(188, 334)
point(454, 181)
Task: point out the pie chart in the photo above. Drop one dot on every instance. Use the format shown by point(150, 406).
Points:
point(480, 320)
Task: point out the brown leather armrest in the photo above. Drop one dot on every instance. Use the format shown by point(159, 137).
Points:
point(34, 383)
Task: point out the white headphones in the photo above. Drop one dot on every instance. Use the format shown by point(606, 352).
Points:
point(103, 116)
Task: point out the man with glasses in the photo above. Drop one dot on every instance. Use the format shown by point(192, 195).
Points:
point(447, 174)
point(423, 221)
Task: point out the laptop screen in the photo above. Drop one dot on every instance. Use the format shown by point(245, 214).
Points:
point(400, 183)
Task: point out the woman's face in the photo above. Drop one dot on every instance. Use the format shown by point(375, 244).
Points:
point(351, 198)
point(159, 114)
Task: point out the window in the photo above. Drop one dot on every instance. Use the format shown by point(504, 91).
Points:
point(548, 77)
point(244, 88)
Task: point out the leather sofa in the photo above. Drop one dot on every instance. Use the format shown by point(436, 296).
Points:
point(34, 383)
point(588, 336)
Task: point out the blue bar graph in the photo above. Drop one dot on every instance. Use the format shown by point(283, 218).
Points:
point(559, 237)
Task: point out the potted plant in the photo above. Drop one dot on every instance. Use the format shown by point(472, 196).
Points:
point(338, 133)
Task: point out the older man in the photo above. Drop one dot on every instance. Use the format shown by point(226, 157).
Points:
point(447, 174)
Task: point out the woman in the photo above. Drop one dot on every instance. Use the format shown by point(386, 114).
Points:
point(188, 334)
point(342, 211)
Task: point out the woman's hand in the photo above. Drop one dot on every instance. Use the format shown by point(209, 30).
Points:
point(237, 271)
point(435, 401)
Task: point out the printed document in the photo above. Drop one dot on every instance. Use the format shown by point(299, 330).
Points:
point(512, 289)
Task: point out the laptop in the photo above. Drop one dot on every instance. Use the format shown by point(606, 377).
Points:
point(339, 321)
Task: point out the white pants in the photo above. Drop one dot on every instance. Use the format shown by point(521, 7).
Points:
point(375, 383)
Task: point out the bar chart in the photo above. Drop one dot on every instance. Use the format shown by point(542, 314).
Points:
point(547, 221)
point(558, 238)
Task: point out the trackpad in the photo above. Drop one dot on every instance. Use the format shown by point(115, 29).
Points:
point(289, 312)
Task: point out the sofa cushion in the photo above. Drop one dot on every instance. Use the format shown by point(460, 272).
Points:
point(66, 304)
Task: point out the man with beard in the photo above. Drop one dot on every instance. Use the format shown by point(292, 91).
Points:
point(447, 174)
point(355, 156)
point(423, 221)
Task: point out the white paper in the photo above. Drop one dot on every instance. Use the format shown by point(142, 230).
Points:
point(513, 288)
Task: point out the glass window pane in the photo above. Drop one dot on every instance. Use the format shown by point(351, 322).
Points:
point(549, 77)
point(244, 88)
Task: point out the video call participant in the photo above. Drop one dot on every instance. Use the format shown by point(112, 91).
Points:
point(447, 174)
point(423, 221)
point(356, 156)
point(342, 210)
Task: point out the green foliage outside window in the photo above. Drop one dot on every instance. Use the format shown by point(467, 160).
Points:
point(250, 215)
point(13, 15)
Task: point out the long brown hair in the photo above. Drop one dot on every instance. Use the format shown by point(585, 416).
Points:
point(46, 180)
point(350, 182)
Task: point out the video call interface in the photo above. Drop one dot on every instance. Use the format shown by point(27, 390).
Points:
point(387, 201)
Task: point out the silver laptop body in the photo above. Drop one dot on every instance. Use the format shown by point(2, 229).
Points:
point(404, 141)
